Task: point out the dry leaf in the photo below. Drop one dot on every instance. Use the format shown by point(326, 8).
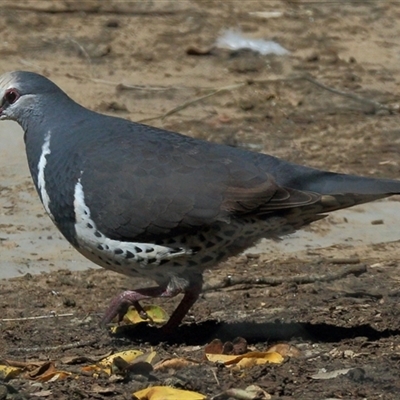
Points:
point(46, 372)
point(146, 357)
point(174, 363)
point(141, 365)
point(214, 347)
point(156, 315)
point(167, 393)
point(239, 346)
point(127, 355)
point(107, 364)
point(252, 392)
point(228, 348)
point(7, 372)
point(246, 360)
point(285, 350)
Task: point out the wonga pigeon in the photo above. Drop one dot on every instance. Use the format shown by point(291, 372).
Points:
point(143, 201)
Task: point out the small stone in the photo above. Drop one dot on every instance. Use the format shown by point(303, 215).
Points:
point(348, 354)
point(252, 256)
point(246, 104)
point(112, 106)
point(69, 303)
point(113, 23)
point(97, 50)
point(312, 57)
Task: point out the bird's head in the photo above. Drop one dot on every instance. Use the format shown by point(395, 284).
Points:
point(23, 94)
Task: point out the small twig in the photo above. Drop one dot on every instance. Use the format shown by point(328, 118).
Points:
point(131, 86)
point(30, 63)
point(91, 9)
point(309, 78)
point(191, 102)
point(54, 348)
point(375, 104)
point(300, 279)
point(215, 376)
point(38, 317)
point(84, 52)
point(124, 86)
point(214, 91)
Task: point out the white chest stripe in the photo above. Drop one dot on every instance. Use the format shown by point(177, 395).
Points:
point(114, 250)
point(41, 180)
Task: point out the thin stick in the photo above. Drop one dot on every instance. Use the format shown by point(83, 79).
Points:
point(300, 279)
point(34, 318)
point(215, 376)
point(375, 104)
point(85, 53)
point(191, 102)
point(89, 9)
point(124, 86)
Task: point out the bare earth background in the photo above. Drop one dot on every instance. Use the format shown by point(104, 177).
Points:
point(138, 60)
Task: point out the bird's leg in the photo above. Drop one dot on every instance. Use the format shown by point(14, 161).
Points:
point(142, 313)
point(191, 294)
point(120, 304)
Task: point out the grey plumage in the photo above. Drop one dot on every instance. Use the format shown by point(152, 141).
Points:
point(145, 201)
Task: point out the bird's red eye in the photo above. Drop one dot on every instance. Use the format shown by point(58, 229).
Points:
point(11, 96)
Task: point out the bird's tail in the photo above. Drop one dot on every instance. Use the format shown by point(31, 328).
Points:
point(355, 189)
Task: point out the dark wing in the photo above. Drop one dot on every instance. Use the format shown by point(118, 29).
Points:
point(152, 182)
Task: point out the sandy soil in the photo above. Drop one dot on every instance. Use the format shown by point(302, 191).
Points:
point(139, 60)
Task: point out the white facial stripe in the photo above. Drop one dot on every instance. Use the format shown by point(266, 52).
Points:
point(41, 180)
point(124, 253)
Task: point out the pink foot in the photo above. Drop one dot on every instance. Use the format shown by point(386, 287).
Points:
point(120, 304)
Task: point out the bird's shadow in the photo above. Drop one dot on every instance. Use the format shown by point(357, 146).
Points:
point(202, 333)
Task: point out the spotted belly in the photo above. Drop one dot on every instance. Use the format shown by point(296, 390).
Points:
point(175, 256)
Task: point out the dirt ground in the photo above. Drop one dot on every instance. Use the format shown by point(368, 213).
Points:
point(139, 60)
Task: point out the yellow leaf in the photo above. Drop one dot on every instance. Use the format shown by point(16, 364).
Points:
point(7, 372)
point(285, 350)
point(260, 357)
point(167, 393)
point(156, 314)
point(220, 358)
point(174, 363)
point(127, 355)
point(148, 357)
point(106, 363)
point(246, 360)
